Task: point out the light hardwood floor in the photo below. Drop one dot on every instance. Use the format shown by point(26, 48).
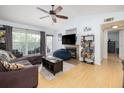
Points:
point(107, 75)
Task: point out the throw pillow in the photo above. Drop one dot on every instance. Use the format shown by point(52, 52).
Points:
point(12, 57)
point(2, 68)
point(3, 58)
point(6, 55)
point(10, 66)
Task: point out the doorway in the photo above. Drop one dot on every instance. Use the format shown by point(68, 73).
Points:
point(113, 43)
point(49, 45)
point(109, 29)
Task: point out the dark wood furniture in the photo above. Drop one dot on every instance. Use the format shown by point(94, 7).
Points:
point(111, 46)
point(53, 64)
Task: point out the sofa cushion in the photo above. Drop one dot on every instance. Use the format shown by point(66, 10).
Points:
point(24, 62)
point(32, 58)
point(2, 68)
point(6, 66)
point(12, 57)
point(6, 55)
point(12, 66)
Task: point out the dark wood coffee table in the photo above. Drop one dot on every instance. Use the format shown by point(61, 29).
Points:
point(53, 64)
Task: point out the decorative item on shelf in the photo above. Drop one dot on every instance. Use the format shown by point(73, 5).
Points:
point(87, 29)
point(2, 34)
point(2, 37)
point(87, 48)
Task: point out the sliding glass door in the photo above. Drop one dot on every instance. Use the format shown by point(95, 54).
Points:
point(33, 43)
point(26, 41)
point(19, 40)
point(49, 44)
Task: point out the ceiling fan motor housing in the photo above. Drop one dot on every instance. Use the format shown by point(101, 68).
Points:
point(52, 12)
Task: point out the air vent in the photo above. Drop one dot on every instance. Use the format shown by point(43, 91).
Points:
point(108, 19)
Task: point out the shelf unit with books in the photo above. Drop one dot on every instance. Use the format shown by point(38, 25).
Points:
point(87, 48)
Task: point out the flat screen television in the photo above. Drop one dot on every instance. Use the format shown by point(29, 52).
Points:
point(69, 39)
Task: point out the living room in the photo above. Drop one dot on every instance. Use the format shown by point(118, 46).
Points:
point(30, 37)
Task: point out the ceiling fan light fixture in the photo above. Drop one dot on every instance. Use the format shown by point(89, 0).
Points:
point(115, 26)
point(53, 16)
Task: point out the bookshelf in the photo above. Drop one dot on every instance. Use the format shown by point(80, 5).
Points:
point(87, 49)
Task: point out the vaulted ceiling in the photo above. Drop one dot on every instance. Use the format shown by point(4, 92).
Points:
point(28, 14)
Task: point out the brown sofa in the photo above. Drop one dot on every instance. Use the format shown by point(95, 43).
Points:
point(26, 77)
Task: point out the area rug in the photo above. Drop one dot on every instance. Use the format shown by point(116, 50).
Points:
point(49, 76)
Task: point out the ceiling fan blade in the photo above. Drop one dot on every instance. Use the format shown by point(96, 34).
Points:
point(58, 9)
point(54, 18)
point(42, 10)
point(61, 16)
point(44, 17)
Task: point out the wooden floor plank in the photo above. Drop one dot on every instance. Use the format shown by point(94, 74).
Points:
point(108, 75)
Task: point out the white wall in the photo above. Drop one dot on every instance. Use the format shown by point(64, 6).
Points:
point(104, 46)
point(93, 21)
point(121, 44)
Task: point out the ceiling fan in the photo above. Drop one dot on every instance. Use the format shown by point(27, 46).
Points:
point(53, 13)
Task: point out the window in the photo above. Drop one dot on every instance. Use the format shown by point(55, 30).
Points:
point(26, 41)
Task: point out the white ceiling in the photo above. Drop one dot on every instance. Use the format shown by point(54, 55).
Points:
point(28, 14)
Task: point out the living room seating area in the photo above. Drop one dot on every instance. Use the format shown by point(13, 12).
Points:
point(39, 50)
point(26, 76)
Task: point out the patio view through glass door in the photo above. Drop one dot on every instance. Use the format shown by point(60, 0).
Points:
point(25, 41)
point(49, 44)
